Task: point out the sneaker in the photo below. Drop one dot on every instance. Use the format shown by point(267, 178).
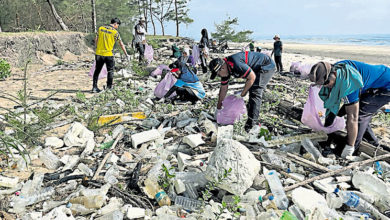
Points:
point(96, 90)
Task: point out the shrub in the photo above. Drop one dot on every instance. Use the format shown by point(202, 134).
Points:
point(5, 69)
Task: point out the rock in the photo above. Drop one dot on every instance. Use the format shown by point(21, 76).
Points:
point(307, 200)
point(210, 127)
point(85, 169)
point(225, 132)
point(54, 142)
point(133, 213)
point(115, 215)
point(145, 136)
point(126, 157)
point(193, 140)
point(258, 182)
point(8, 182)
point(89, 146)
point(372, 185)
point(230, 154)
point(77, 135)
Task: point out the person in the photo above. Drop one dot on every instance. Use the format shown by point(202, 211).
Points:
point(251, 46)
point(176, 53)
point(105, 40)
point(140, 39)
point(187, 87)
point(364, 88)
point(256, 68)
point(258, 49)
point(204, 46)
point(277, 51)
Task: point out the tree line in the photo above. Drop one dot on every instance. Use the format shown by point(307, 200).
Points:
point(87, 15)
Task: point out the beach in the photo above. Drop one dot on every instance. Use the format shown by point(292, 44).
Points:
point(317, 52)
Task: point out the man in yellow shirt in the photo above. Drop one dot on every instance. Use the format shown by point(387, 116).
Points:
point(105, 40)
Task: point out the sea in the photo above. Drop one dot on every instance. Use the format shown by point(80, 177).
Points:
point(363, 39)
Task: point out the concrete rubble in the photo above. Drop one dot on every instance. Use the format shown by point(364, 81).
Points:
point(181, 158)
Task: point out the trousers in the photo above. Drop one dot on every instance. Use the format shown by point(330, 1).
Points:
point(110, 64)
point(278, 62)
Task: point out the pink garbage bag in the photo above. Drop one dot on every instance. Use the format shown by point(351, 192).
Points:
point(232, 110)
point(148, 53)
point(103, 72)
point(294, 66)
point(196, 54)
point(314, 111)
point(163, 87)
point(158, 71)
point(304, 69)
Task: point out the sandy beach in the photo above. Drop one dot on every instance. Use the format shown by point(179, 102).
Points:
point(368, 54)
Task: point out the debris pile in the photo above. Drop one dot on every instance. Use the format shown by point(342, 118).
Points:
point(164, 161)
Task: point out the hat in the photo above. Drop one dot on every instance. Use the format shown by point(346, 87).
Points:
point(115, 20)
point(276, 36)
point(187, 51)
point(215, 65)
point(319, 73)
point(142, 19)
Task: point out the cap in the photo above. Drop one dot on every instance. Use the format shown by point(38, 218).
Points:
point(214, 66)
point(276, 36)
point(142, 18)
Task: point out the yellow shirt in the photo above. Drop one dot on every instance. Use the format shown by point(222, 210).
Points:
point(107, 35)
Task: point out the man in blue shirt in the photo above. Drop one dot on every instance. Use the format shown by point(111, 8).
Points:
point(256, 68)
point(361, 104)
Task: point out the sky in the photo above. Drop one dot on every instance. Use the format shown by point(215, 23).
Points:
point(290, 17)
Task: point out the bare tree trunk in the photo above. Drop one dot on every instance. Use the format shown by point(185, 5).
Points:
point(162, 28)
point(0, 28)
point(177, 20)
point(57, 17)
point(151, 17)
point(145, 6)
point(93, 4)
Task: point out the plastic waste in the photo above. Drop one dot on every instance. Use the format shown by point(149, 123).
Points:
point(277, 189)
point(296, 212)
point(356, 215)
point(294, 67)
point(304, 69)
point(148, 53)
point(273, 159)
point(232, 110)
point(85, 169)
point(103, 72)
point(314, 113)
point(111, 174)
point(158, 71)
point(78, 209)
point(117, 118)
point(378, 168)
point(354, 201)
point(187, 203)
point(309, 147)
point(22, 201)
point(196, 54)
point(8, 182)
point(163, 87)
point(50, 160)
point(90, 202)
point(152, 188)
point(288, 216)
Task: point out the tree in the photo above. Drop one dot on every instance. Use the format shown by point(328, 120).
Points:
point(93, 5)
point(225, 31)
point(151, 16)
point(180, 14)
point(162, 12)
point(57, 17)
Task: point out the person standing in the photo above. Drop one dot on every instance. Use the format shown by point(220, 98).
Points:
point(204, 46)
point(364, 88)
point(277, 51)
point(140, 38)
point(105, 40)
point(256, 68)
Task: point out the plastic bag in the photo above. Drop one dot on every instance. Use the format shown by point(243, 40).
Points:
point(196, 54)
point(304, 69)
point(148, 53)
point(103, 72)
point(163, 87)
point(294, 66)
point(232, 110)
point(158, 71)
point(267, 52)
point(314, 114)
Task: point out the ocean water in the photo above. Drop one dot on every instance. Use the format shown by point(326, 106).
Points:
point(366, 39)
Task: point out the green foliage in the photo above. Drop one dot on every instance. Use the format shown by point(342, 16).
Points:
point(165, 180)
point(225, 31)
point(154, 43)
point(212, 185)
point(80, 97)
point(8, 144)
point(60, 62)
point(139, 69)
point(5, 69)
point(231, 207)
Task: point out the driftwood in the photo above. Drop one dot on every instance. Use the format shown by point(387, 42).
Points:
point(120, 136)
point(308, 162)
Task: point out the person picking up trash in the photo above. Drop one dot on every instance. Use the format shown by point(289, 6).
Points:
point(105, 40)
point(187, 87)
point(364, 88)
point(256, 68)
point(140, 38)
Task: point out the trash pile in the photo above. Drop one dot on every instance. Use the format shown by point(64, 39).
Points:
point(153, 160)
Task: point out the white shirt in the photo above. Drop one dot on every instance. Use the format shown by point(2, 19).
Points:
point(139, 38)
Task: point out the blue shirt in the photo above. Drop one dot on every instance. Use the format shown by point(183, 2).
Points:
point(374, 77)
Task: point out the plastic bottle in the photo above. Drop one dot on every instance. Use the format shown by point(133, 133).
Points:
point(115, 215)
point(309, 147)
point(187, 203)
point(191, 191)
point(357, 215)
point(50, 160)
point(90, 202)
point(288, 216)
point(152, 188)
point(294, 209)
point(270, 204)
point(24, 200)
point(277, 189)
point(378, 168)
point(354, 201)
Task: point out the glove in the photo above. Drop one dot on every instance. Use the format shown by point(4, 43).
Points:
point(128, 58)
point(348, 151)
